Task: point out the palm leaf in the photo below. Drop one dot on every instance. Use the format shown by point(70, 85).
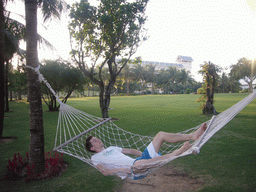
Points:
point(16, 30)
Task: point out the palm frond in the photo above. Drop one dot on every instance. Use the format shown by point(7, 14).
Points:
point(11, 44)
point(44, 42)
point(52, 8)
point(16, 30)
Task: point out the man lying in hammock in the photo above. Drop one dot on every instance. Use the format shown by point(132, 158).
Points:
point(113, 160)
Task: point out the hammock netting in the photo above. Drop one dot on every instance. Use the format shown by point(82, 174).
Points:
point(74, 126)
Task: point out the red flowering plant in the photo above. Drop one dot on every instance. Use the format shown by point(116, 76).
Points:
point(16, 166)
point(19, 167)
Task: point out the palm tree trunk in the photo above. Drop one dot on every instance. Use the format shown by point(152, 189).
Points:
point(6, 86)
point(2, 51)
point(35, 103)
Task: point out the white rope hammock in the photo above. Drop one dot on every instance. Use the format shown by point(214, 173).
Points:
point(74, 126)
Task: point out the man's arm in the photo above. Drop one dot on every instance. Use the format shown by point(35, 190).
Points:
point(132, 152)
point(106, 171)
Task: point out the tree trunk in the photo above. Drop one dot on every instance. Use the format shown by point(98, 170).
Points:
point(2, 51)
point(208, 107)
point(127, 87)
point(93, 89)
point(104, 111)
point(6, 86)
point(250, 86)
point(152, 89)
point(19, 95)
point(11, 95)
point(34, 94)
point(105, 97)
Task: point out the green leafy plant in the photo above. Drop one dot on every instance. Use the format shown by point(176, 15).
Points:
point(19, 167)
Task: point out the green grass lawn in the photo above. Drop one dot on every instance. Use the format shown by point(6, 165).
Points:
point(228, 157)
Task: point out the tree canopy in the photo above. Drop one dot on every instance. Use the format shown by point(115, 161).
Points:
point(63, 78)
point(100, 35)
point(244, 69)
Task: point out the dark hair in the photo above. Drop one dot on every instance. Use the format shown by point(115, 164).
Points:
point(88, 144)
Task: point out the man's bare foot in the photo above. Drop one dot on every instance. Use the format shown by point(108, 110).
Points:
point(199, 132)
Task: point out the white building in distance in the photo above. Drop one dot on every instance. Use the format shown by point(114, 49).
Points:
point(182, 62)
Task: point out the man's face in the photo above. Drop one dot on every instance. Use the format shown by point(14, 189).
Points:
point(96, 143)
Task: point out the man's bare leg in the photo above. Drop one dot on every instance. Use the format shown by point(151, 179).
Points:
point(184, 148)
point(138, 164)
point(175, 137)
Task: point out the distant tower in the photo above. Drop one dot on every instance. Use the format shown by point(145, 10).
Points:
point(185, 61)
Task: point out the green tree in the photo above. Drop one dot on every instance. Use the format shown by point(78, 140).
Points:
point(162, 80)
point(111, 30)
point(49, 9)
point(63, 78)
point(14, 32)
point(245, 69)
point(127, 73)
point(139, 75)
point(209, 72)
point(184, 79)
point(223, 83)
point(151, 76)
point(20, 81)
point(234, 84)
point(195, 85)
point(173, 78)
point(125, 77)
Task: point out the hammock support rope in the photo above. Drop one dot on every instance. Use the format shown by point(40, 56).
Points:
point(74, 126)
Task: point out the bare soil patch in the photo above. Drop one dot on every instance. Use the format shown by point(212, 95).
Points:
point(167, 178)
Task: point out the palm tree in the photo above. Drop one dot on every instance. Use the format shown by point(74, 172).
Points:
point(162, 80)
point(49, 8)
point(173, 77)
point(184, 78)
point(224, 81)
point(139, 74)
point(209, 70)
point(2, 51)
point(234, 85)
point(127, 77)
point(127, 73)
point(151, 76)
point(14, 31)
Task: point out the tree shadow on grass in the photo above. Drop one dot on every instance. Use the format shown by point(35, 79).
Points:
point(7, 139)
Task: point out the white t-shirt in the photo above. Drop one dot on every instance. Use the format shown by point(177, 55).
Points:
point(112, 158)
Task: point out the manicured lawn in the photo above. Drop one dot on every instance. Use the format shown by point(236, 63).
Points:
point(229, 157)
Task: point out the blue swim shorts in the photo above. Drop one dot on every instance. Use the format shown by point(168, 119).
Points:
point(148, 153)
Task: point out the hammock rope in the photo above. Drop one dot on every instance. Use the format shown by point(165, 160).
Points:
point(74, 126)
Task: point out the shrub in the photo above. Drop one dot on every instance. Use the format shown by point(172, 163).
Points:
point(19, 167)
point(201, 91)
point(16, 165)
point(245, 90)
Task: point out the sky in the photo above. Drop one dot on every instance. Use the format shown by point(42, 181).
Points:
point(206, 30)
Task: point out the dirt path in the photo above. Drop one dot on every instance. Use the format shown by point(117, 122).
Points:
point(167, 178)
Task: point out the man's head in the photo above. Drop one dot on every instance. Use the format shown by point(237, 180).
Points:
point(93, 144)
